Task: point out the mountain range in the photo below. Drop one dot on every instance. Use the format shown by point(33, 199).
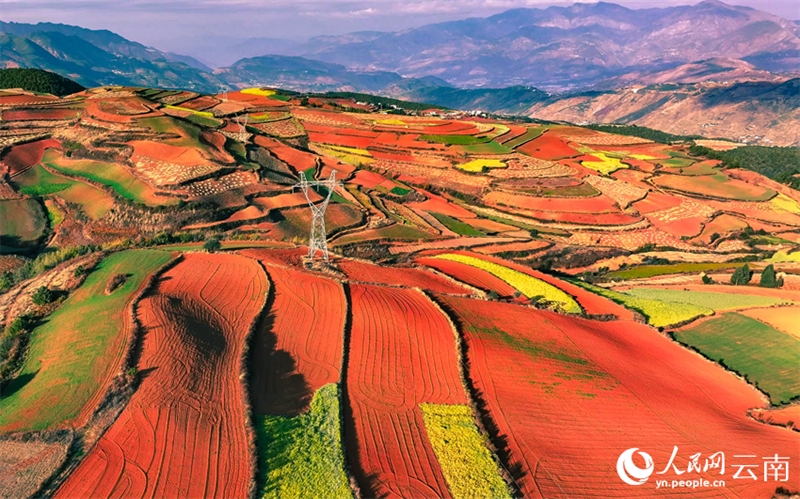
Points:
point(682, 69)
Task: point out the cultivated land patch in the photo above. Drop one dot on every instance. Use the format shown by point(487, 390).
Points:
point(765, 356)
point(183, 433)
point(24, 221)
point(573, 394)
point(526, 284)
point(115, 176)
point(644, 271)
point(718, 186)
point(301, 456)
point(75, 353)
point(658, 313)
point(466, 463)
point(37, 181)
point(24, 466)
point(784, 319)
point(402, 354)
point(719, 302)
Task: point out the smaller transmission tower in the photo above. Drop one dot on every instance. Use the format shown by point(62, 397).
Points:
point(318, 241)
point(223, 89)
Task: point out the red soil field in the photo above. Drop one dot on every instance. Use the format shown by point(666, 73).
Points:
point(200, 103)
point(452, 128)
point(286, 200)
point(594, 204)
point(22, 157)
point(470, 275)
point(548, 146)
point(513, 132)
point(343, 170)
point(570, 395)
point(298, 348)
point(316, 127)
point(10, 100)
point(391, 156)
point(183, 433)
point(299, 160)
point(399, 276)
point(640, 165)
point(39, 114)
point(590, 302)
point(402, 353)
point(340, 140)
point(441, 205)
point(179, 155)
point(367, 179)
point(688, 227)
point(255, 100)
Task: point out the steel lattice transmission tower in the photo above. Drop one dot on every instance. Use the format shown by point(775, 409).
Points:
point(318, 240)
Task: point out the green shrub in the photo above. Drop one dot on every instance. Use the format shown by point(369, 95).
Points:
point(212, 244)
point(42, 296)
point(769, 279)
point(742, 276)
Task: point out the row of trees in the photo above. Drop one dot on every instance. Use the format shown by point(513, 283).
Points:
point(769, 279)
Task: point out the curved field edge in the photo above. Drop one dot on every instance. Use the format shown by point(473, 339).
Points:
point(302, 456)
point(466, 463)
point(762, 355)
point(75, 353)
point(528, 285)
point(659, 314)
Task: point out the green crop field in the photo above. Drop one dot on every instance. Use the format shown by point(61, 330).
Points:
point(24, 221)
point(767, 357)
point(466, 463)
point(644, 271)
point(78, 348)
point(302, 456)
point(113, 175)
point(658, 313)
point(456, 140)
point(457, 226)
point(531, 134)
point(490, 147)
point(527, 285)
point(719, 302)
point(93, 201)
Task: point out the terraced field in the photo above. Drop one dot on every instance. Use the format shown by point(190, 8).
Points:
point(74, 355)
point(183, 434)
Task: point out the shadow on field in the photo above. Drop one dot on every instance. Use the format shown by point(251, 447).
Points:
point(16, 384)
point(276, 386)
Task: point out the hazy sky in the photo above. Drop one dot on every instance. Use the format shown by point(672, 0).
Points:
point(170, 25)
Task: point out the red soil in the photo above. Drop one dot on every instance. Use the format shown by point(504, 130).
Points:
point(39, 114)
point(179, 155)
point(470, 275)
point(595, 204)
point(398, 276)
point(689, 227)
point(570, 395)
point(391, 156)
point(297, 159)
point(286, 200)
point(452, 128)
point(10, 100)
point(367, 179)
point(340, 140)
point(343, 170)
point(548, 146)
point(200, 103)
point(183, 432)
point(441, 205)
point(24, 156)
point(590, 302)
point(298, 348)
point(402, 353)
point(513, 132)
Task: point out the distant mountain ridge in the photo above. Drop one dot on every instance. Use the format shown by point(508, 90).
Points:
point(559, 48)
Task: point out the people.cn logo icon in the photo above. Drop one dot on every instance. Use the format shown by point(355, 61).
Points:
point(629, 472)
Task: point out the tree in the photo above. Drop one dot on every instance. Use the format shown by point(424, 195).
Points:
point(742, 276)
point(212, 244)
point(707, 279)
point(769, 279)
point(42, 296)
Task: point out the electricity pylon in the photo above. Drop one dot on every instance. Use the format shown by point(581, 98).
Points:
point(224, 91)
point(318, 241)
